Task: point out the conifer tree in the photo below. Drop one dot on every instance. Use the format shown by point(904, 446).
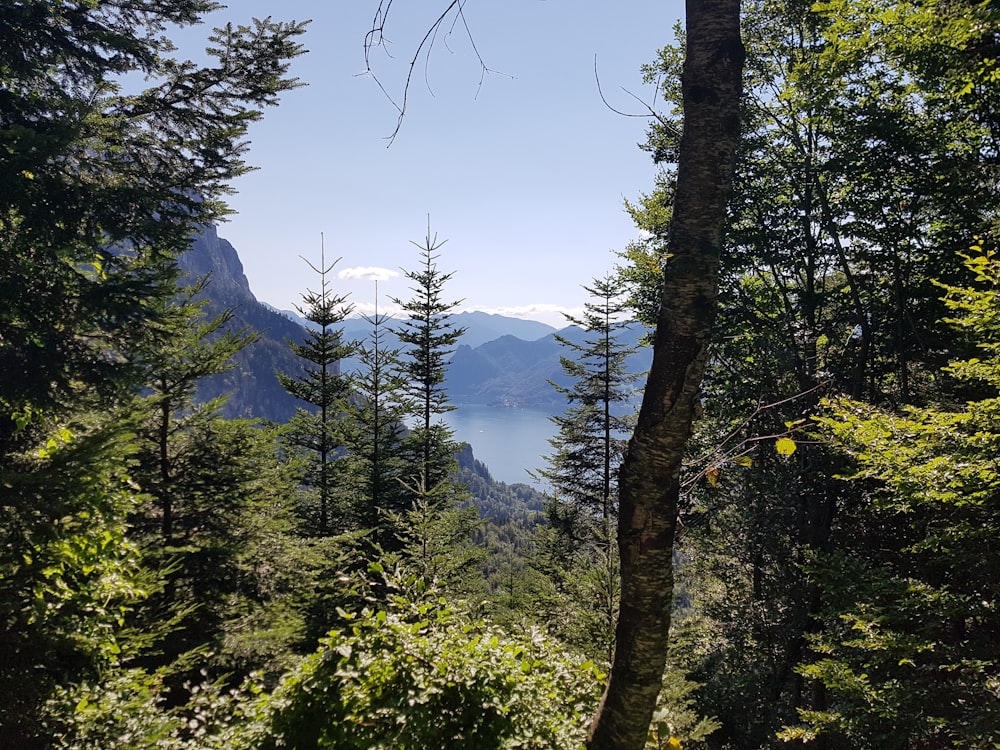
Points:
point(374, 430)
point(588, 449)
point(183, 348)
point(100, 190)
point(435, 533)
point(314, 430)
point(429, 338)
point(220, 508)
point(589, 444)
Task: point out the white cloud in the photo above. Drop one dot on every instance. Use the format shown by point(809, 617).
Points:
point(369, 273)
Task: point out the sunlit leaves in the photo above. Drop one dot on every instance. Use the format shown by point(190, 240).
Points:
point(426, 676)
point(907, 643)
point(785, 446)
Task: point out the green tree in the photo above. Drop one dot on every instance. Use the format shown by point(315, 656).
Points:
point(182, 349)
point(856, 174)
point(434, 531)
point(99, 184)
point(428, 337)
point(436, 537)
point(649, 483)
point(908, 653)
point(315, 429)
point(99, 188)
point(188, 469)
point(69, 573)
point(374, 431)
point(588, 449)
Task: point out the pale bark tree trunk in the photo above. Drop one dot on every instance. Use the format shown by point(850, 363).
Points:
point(649, 486)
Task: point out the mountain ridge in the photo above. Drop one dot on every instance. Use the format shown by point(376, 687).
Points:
point(505, 370)
point(480, 327)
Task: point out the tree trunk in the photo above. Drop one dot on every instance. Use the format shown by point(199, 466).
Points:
point(650, 476)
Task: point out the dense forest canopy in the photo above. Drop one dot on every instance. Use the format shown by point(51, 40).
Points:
point(798, 546)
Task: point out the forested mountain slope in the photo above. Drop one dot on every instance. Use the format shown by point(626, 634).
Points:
point(252, 386)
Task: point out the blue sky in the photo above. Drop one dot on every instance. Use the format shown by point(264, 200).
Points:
point(522, 169)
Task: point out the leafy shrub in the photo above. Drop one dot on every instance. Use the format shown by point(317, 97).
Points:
point(421, 675)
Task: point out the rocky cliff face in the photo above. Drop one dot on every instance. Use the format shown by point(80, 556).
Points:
point(213, 256)
point(252, 385)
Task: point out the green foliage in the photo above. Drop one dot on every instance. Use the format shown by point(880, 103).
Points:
point(676, 721)
point(908, 654)
point(435, 535)
point(68, 574)
point(421, 675)
point(236, 574)
point(98, 186)
point(517, 589)
point(862, 165)
point(428, 337)
point(582, 472)
point(130, 709)
point(314, 431)
point(373, 431)
point(99, 189)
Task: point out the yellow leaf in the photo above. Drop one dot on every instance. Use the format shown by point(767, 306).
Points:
point(673, 743)
point(744, 461)
point(785, 446)
point(713, 476)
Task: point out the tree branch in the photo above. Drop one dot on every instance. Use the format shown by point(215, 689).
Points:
point(375, 38)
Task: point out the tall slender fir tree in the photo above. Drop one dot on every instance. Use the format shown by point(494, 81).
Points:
point(588, 450)
point(314, 430)
point(435, 532)
point(374, 430)
point(429, 338)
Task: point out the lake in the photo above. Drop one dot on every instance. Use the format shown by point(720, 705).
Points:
point(508, 441)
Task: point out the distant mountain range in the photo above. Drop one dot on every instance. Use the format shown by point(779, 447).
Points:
point(500, 361)
point(511, 372)
point(480, 327)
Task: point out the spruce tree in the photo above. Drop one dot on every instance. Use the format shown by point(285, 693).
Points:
point(99, 190)
point(374, 430)
point(588, 449)
point(218, 531)
point(314, 430)
point(183, 348)
point(429, 337)
point(434, 532)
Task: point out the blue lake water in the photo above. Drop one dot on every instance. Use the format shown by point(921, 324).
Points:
point(509, 441)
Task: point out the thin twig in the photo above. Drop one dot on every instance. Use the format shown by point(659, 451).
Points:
point(375, 37)
point(650, 111)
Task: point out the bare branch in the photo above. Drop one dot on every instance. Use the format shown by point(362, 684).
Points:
point(723, 451)
point(650, 110)
point(375, 38)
